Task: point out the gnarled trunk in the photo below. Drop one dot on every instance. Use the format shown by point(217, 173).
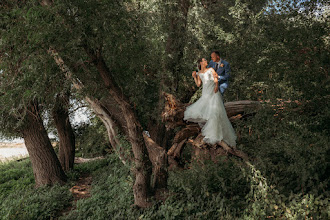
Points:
point(103, 111)
point(133, 130)
point(190, 132)
point(47, 169)
point(65, 133)
point(158, 158)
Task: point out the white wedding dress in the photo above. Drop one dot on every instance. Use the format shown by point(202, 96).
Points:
point(209, 112)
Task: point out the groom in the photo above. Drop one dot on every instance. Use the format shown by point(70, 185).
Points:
point(222, 68)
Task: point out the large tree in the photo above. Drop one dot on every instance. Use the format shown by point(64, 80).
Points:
point(95, 40)
point(29, 85)
point(47, 169)
point(60, 114)
point(121, 55)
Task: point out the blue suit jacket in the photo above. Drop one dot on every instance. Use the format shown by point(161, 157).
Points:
point(223, 72)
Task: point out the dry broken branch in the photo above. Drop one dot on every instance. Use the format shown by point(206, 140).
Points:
point(191, 133)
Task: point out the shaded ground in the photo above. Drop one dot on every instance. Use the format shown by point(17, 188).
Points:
point(79, 191)
point(82, 188)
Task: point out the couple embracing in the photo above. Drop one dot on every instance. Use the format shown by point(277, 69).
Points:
point(209, 111)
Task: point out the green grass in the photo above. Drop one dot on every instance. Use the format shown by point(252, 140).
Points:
point(227, 190)
point(20, 200)
point(286, 179)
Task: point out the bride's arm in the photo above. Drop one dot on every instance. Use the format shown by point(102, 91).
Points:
point(216, 82)
point(196, 79)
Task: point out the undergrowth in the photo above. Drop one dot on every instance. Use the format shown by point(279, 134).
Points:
point(20, 200)
point(286, 178)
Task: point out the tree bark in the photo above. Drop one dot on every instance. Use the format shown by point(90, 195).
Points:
point(133, 130)
point(65, 132)
point(158, 158)
point(177, 16)
point(174, 110)
point(101, 109)
point(141, 186)
point(240, 107)
point(47, 169)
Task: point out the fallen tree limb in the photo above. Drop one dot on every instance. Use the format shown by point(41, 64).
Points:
point(240, 107)
point(191, 133)
point(174, 110)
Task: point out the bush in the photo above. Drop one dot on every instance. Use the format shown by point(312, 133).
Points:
point(286, 151)
point(229, 189)
point(20, 200)
point(112, 194)
point(91, 139)
point(285, 178)
point(15, 176)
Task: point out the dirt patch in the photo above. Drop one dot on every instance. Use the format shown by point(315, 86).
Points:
point(11, 145)
point(81, 190)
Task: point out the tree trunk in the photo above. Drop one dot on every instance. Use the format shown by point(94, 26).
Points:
point(141, 188)
point(65, 132)
point(102, 109)
point(177, 16)
point(174, 110)
point(158, 158)
point(47, 169)
point(133, 130)
point(240, 107)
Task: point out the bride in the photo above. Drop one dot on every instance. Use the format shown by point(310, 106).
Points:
point(209, 111)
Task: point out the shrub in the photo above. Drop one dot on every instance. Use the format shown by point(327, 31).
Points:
point(20, 200)
point(91, 139)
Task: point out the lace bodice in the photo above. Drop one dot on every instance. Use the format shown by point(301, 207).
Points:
point(207, 76)
point(208, 82)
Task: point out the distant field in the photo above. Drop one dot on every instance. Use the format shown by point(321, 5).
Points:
point(11, 145)
point(10, 151)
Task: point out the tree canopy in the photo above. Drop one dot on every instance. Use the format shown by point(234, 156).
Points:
point(121, 57)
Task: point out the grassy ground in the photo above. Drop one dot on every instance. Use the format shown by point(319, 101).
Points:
point(287, 178)
point(20, 200)
point(228, 190)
